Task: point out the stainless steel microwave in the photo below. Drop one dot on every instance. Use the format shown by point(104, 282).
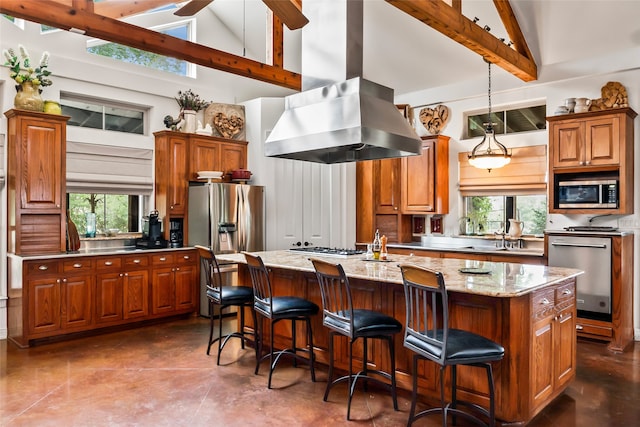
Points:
point(590, 194)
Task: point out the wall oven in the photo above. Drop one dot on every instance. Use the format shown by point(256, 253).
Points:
point(587, 194)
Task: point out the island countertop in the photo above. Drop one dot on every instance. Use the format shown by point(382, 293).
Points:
point(498, 279)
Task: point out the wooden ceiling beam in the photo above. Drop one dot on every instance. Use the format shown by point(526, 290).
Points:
point(289, 12)
point(450, 22)
point(51, 13)
point(121, 9)
point(510, 23)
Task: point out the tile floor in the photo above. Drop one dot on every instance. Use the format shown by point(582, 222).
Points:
point(160, 376)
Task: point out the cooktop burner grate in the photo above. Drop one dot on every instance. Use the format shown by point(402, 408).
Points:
point(319, 250)
point(590, 228)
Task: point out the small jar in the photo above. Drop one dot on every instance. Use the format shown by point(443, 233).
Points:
point(369, 254)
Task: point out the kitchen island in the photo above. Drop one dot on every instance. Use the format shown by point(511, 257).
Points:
point(528, 309)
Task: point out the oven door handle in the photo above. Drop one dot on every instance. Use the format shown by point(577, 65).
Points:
point(578, 245)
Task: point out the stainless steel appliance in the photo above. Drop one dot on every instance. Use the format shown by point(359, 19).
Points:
point(587, 193)
point(151, 233)
point(227, 218)
point(592, 255)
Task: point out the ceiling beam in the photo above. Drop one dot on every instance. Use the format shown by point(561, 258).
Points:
point(450, 22)
point(121, 9)
point(58, 15)
point(510, 23)
point(289, 12)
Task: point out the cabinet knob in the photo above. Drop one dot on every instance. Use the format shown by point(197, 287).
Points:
point(108, 263)
point(395, 208)
point(136, 261)
point(186, 257)
point(587, 162)
point(579, 327)
point(126, 274)
point(43, 267)
point(545, 301)
point(178, 269)
point(121, 274)
point(567, 292)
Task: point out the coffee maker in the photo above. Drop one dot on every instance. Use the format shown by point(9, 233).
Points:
point(175, 233)
point(151, 233)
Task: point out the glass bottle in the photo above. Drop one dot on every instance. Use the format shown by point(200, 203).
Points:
point(91, 225)
point(376, 245)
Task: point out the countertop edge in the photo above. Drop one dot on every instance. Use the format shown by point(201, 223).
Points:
point(115, 252)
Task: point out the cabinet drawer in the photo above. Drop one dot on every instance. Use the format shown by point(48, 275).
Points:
point(135, 261)
point(77, 265)
point(588, 329)
point(188, 258)
point(42, 267)
point(163, 259)
point(108, 263)
point(565, 292)
point(542, 302)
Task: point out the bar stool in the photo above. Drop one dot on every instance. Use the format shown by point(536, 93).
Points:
point(342, 318)
point(275, 309)
point(224, 296)
point(428, 335)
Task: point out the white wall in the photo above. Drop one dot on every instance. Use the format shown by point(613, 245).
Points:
point(464, 98)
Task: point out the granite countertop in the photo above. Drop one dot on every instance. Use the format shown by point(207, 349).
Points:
point(96, 252)
point(480, 249)
point(502, 279)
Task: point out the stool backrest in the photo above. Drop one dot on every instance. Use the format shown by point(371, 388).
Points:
point(262, 294)
point(336, 297)
point(211, 270)
point(427, 325)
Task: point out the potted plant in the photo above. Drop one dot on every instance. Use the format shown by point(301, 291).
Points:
point(29, 79)
point(190, 103)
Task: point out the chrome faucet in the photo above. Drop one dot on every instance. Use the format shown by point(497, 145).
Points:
point(503, 235)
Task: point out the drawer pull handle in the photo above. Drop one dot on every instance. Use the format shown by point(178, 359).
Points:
point(136, 261)
point(108, 263)
point(163, 259)
point(186, 257)
point(567, 292)
point(579, 327)
point(43, 267)
point(77, 265)
point(545, 301)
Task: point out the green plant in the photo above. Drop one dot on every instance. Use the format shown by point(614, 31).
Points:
point(190, 101)
point(22, 70)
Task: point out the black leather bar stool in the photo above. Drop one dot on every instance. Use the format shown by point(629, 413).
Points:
point(277, 308)
point(224, 296)
point(342, 318)
point(428, 335)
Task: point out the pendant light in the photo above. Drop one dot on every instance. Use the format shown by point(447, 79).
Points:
point(484, 155)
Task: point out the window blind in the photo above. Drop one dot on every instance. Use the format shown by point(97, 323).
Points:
point(525, 174)
point(96, 168)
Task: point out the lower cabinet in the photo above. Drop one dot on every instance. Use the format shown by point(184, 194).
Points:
point(61, 296)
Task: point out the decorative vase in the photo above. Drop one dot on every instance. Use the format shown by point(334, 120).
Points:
point(28, 97)
point(190, 123)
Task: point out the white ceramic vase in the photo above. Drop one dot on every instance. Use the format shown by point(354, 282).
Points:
point(190, 122)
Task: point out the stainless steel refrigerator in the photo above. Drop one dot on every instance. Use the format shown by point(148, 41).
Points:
point(227, 218)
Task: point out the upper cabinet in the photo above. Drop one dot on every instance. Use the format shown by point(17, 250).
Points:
point(592, 144)
point(425, 178)
point(35, 182)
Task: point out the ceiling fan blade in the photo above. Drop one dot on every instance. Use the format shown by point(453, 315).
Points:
point(289, 12)
point(193, 7)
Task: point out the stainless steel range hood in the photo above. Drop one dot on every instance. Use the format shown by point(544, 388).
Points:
point(339, 116)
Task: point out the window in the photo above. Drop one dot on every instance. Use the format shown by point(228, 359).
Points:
point(182, 30)
point(491, 214)
point(113, 211)
point(521, 119)
point(97, 114)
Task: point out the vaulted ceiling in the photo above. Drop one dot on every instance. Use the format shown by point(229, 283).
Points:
point(409, 45)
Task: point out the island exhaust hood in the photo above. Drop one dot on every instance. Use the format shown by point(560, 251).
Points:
point(339, 116)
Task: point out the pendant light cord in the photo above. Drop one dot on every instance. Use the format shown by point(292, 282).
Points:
point(490, 123)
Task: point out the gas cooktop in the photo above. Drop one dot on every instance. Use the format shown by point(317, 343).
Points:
point(319, 250)
point(590, 228)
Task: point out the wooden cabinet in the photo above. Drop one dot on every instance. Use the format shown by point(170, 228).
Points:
point(598, 143)
point(553, 341)
point(173, 283)
point(425, 178)
point(61, 296)
point(178, 158)
point(390, 191)
point(36, 182)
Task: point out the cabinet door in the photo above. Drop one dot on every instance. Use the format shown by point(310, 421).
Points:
point(386, 176)
point(44, 305)
point(78, 301)
point(204, 155)
point(135, 295)
point(567, 143)
point(602, 142)
point(163, 290)
point(185, 280)
point(542, 371)
point(565, 325)
point(42, 175)
point(233, 156)
point(178, 182)
point(418, 180)
point(109, 297)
